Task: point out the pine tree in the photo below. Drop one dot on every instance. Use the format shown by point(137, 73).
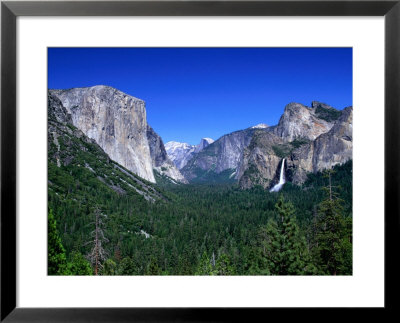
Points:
point(78, 265)
point(223, 266)
point(153, 268)
point(57, 260)
point(126, 267)
point(109, 268)
point(333, 237)
point(284, 247)
point(255, 262)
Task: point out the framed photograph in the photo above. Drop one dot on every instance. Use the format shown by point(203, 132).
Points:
point(182, 160)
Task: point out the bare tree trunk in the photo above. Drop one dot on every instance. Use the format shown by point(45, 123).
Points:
point(97, 245)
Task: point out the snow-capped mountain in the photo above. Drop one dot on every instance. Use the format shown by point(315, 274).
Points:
point(260, 126)
point(180, 152)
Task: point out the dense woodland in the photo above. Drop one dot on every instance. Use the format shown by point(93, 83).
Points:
point(199, 229)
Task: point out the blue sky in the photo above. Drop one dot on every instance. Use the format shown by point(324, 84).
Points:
point(192, 93)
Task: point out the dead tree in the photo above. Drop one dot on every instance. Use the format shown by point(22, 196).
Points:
point(329, 189)
point(97, 254)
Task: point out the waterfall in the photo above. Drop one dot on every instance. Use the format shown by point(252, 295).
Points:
point(278, 186)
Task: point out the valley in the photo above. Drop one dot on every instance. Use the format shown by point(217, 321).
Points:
point(206, 209)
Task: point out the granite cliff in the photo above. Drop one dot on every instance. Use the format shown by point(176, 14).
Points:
point(310, 139)
point(329, 149)
point(117, 122)
point(220, 159)
point(159, 158)
point(71, 155)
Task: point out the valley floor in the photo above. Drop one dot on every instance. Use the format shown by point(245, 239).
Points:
point(203, 229)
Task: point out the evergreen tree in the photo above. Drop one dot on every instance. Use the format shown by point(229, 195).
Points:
point(205, 267)
point(57, 260)
point(109, 268)
point(127, 267)
point(255, 262)
point(184, 264)
point(333, 237)
point(224, 267)
point(284, 247)
point(78, 265)
point(153, 268)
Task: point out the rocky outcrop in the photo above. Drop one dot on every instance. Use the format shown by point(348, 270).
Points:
point(329, 149)
point(56, 111)
point(160, 161)
point(301, 122)
point(311, 140)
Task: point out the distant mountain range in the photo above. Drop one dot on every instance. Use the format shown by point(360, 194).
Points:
point(180, 153)
point(309, 138)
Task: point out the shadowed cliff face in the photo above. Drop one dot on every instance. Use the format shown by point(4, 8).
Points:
point(260, 161)
point(223, 155)
point(117, 122)
point(160, 161)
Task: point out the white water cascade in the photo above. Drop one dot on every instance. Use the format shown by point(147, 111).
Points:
point(278, 186)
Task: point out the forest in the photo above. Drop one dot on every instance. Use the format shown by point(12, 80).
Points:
point(198, 229)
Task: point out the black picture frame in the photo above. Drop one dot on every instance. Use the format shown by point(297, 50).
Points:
point(10, 10)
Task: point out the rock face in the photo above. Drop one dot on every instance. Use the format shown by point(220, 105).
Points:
point(223, 155)
point(299, 121)
point(311, 139)
point(260, 163)
point(331, 148)
point(116, 121)
point(56, 111)
point(180, 152)
point(69, 146)
point(204, 142)
point(160, 161)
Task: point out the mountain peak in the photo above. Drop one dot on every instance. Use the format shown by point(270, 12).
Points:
point(299, 121)
point(204, 142)
point(317, 104)
point(208, 140)
point(260, 126)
